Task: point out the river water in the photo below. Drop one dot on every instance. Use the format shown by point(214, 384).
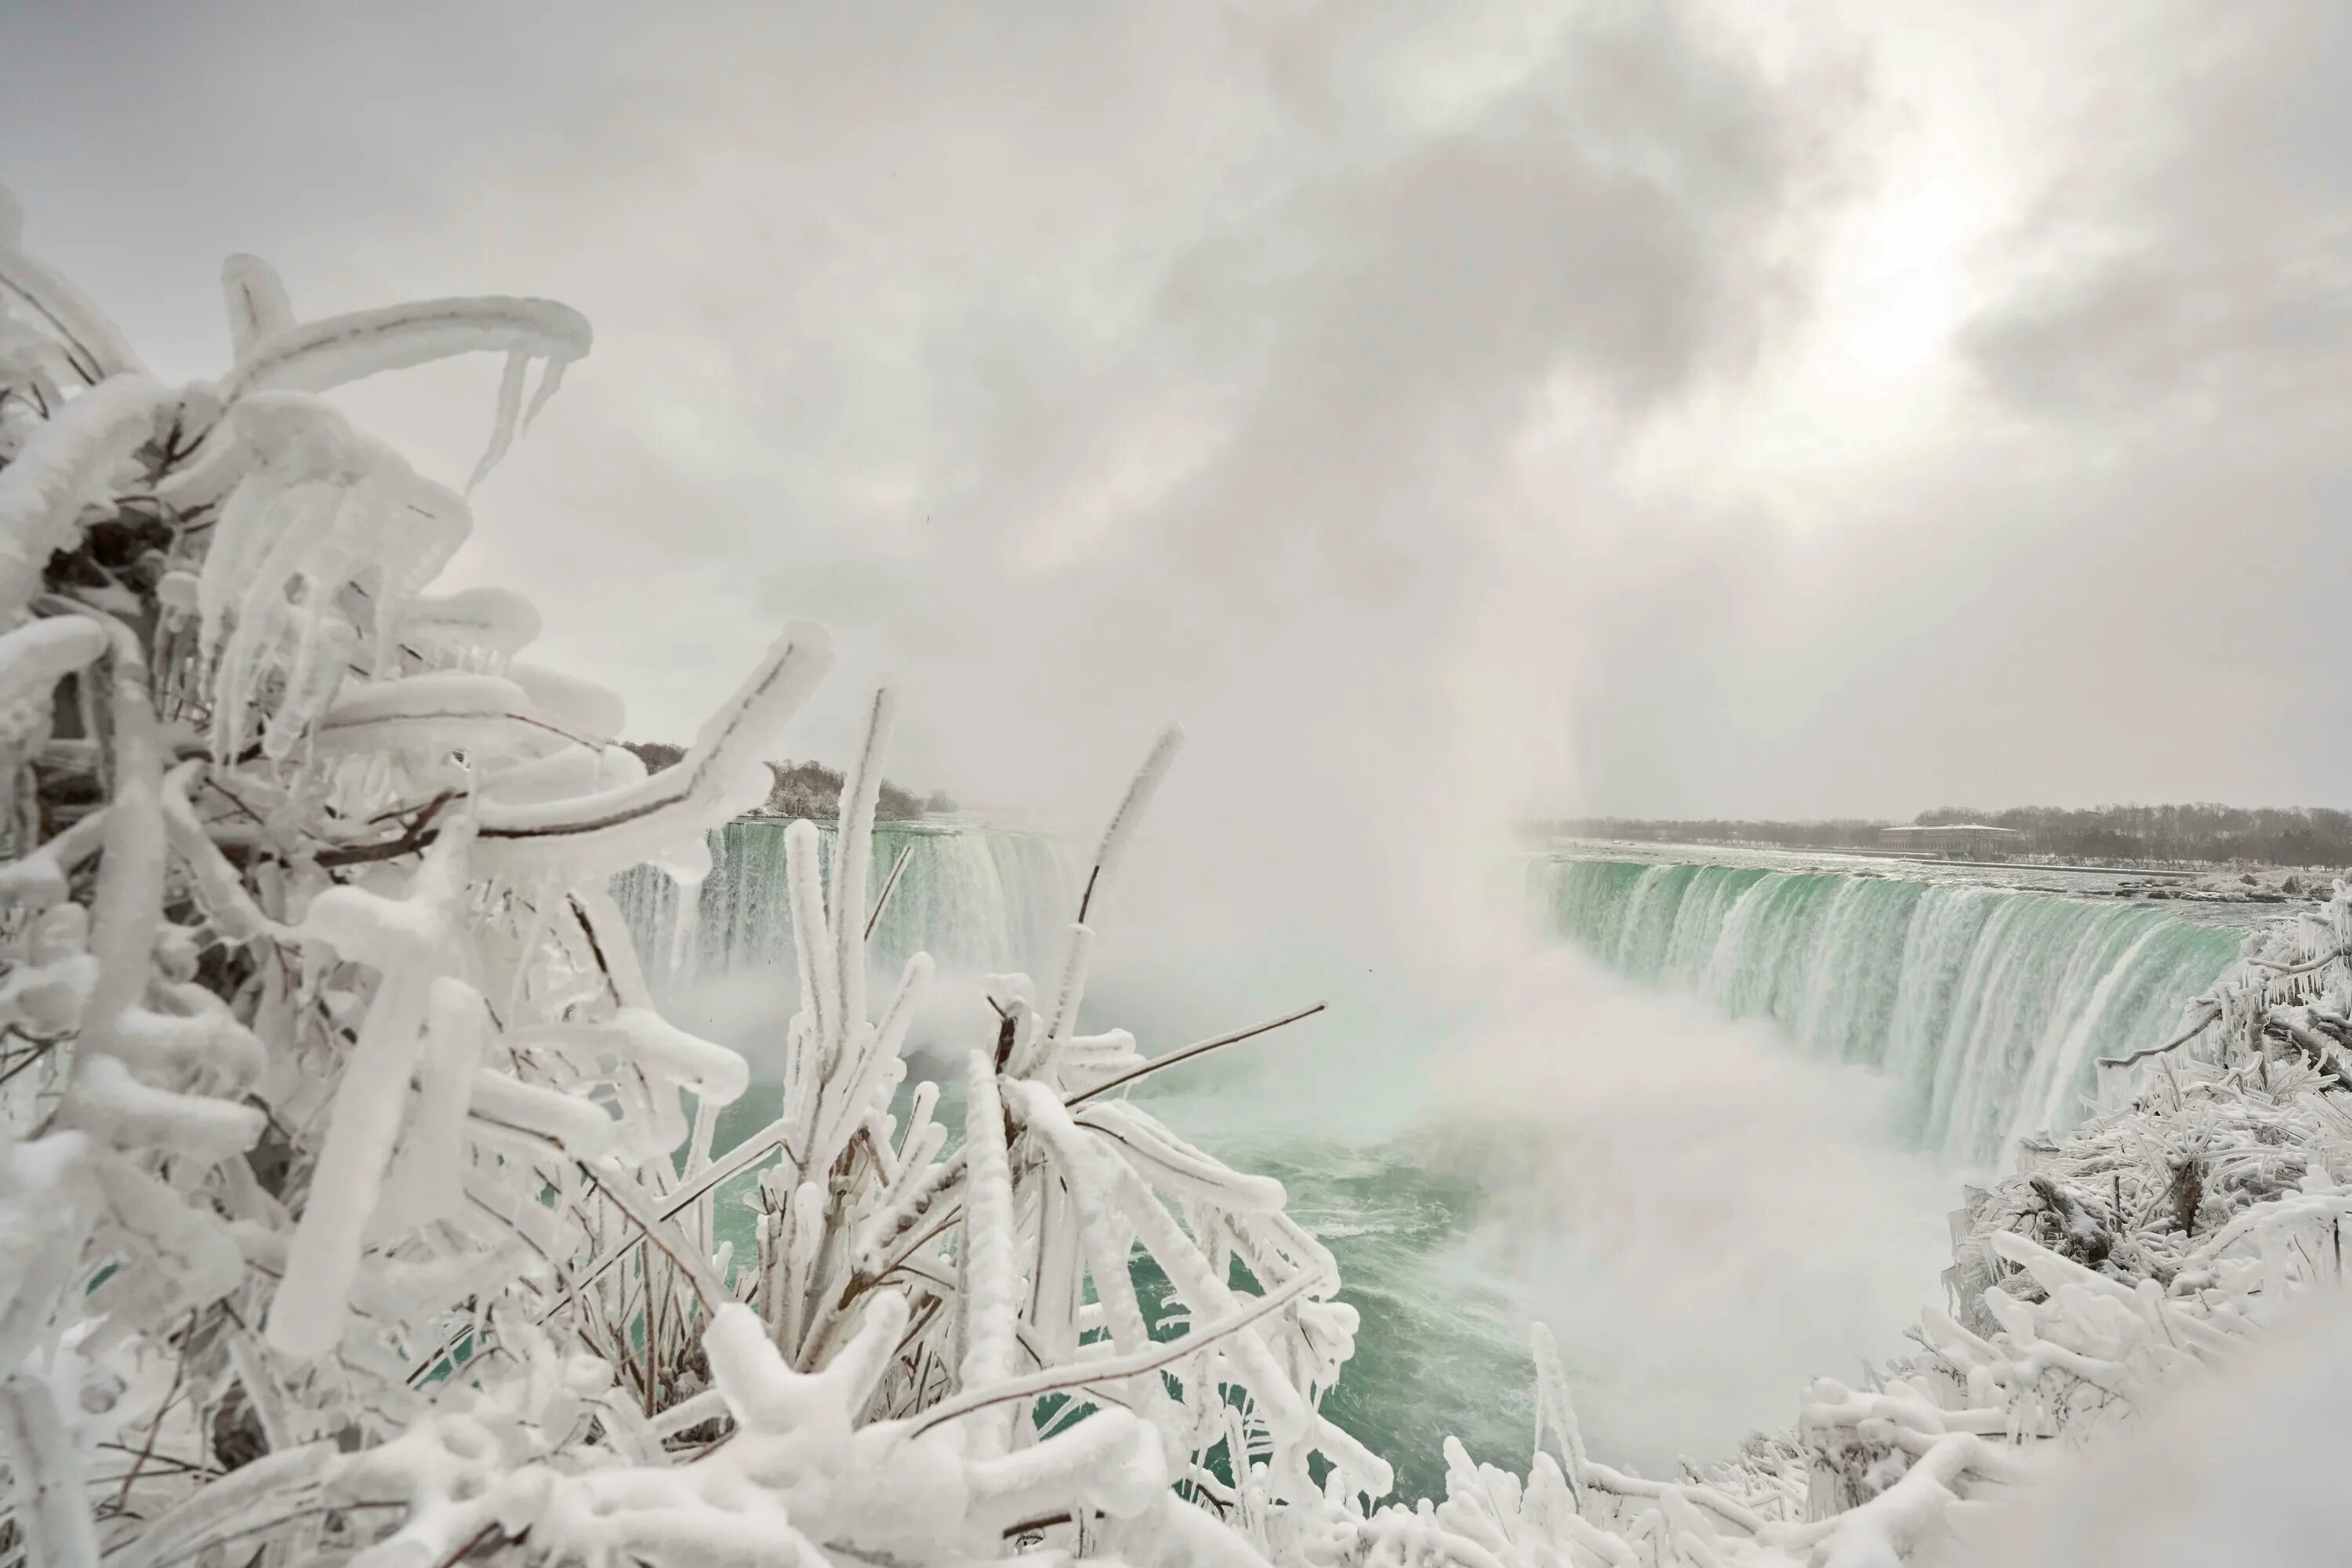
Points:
point(1705, 1121)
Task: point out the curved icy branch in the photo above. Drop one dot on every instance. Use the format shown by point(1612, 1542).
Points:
point(720, 777)
point(314, 356)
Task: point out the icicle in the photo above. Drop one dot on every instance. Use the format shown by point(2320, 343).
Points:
point(317, 355)
point(550, 381)
point(34, 659)
point(1043, 1054)
point(476, 628)
point(220, 889)
point(804, 1219)
point(502, 429)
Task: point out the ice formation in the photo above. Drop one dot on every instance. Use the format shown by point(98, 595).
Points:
point(357, 1204)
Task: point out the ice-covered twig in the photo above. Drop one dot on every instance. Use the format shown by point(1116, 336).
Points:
point(45, 488)
point(2201, 1017)
point(890, 886)
point(1112, 1369)
point(94, 346)
point(48, 1510)
point(1198, 1049)
point(1131, 810)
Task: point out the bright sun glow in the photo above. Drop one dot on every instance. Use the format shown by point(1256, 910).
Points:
point(1901, 273)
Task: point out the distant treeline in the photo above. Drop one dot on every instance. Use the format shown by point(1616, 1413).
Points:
point(1841, 832)
point(2270, 835)
point(808, 789)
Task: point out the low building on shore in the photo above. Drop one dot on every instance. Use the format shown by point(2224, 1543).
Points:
point(1959, 840)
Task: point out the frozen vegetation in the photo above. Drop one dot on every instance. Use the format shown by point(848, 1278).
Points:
point(356, 1205)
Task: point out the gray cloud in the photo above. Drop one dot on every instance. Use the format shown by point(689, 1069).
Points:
point(2205, 265)
point(1374, 387)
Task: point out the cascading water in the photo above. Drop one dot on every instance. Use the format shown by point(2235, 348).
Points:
point(1565, 1187)
point(977, 899)
point(1987, 1005)
point(1562, 1180)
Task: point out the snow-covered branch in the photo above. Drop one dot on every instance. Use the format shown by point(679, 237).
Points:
point(350, 1179)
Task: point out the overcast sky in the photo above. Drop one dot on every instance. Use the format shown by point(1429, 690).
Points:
point(1659, 409)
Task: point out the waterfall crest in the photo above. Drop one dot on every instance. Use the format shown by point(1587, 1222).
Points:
point(1987, 1005)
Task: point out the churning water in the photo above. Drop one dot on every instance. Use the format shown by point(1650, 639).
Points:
point(1714, 1172)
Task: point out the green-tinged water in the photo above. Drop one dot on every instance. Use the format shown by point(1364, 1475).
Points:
point(1987, 1005)
point(976, 901)
point(1621, 1160)
point(1439, 1354)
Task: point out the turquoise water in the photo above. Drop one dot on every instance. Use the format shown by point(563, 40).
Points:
point(1441, 1352)
point(1979, 1007)
point(1438, 1355)
point(975, 901)
point(1987, 1005)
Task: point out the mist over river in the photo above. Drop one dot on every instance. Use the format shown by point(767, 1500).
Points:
point(1702, 1114)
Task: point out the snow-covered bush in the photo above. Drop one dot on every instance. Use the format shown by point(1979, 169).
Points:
point(356, 1205)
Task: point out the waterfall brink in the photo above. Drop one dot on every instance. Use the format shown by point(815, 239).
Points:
point(1989, 1006)
point(977, 899)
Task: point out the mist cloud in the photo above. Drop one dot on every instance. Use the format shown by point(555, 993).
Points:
point(1499, 409)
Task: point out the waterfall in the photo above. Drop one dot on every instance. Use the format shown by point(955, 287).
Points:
point(977, 899)
point(1987, 1005)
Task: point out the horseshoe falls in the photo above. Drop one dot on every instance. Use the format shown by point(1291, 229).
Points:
point(1987, 1006)
point(1700, 1120)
